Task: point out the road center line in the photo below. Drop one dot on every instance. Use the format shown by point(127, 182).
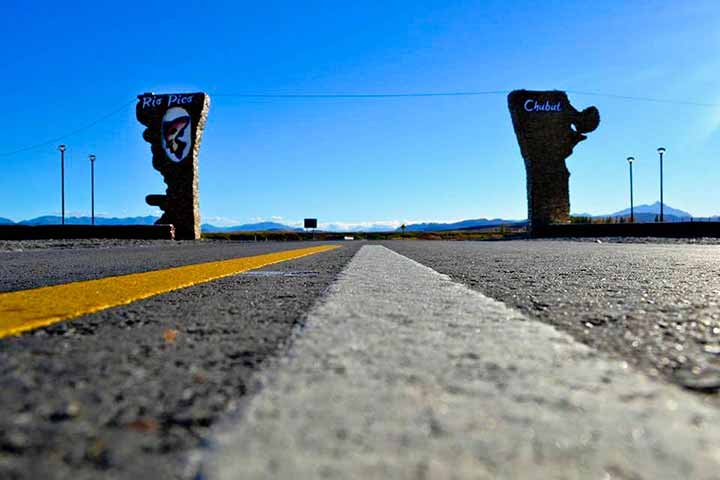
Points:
point(403, 373)
point(25, 310)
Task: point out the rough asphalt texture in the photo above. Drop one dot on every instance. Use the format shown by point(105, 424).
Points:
point(74, 243)
point(656, 305)
point(402, 373)
point(87, 260)
point(128, 392)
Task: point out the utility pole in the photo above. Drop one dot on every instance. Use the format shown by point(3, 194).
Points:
point(92, 187)
point(62, 181)
point(632, 207)
point(661, 151)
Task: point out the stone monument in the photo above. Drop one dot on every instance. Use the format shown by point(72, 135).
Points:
point(175, 124)
point(548, 128)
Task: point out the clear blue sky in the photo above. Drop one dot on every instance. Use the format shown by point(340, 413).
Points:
point(68, 63)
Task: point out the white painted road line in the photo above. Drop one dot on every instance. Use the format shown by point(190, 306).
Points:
point(402, 373)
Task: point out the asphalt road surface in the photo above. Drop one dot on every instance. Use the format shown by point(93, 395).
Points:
point(110, 395)
point(137, 391)
point(62, 262)
point(656, 306)
point(402, 373)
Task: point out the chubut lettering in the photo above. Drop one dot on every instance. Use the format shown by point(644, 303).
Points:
point(532, 105)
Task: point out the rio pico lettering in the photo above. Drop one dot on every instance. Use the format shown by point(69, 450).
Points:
point(172, 100)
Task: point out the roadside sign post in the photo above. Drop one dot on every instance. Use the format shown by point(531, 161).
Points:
point(311, 224)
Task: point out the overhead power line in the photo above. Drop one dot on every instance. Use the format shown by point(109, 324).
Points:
point(360, 95)
point(645, 99)
point(72, 133)
point(355, 96)
point(449, 94)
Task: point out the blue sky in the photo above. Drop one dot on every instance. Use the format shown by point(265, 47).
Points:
point(357, 160)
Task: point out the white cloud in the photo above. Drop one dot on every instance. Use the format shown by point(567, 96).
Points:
point(221, 221)
point(75, 213)
point(333, 226)
point(343, 226)
point(357, 226)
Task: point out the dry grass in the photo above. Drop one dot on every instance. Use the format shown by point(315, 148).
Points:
point(282, 236)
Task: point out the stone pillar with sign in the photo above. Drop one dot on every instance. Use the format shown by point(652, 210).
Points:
point(547, 129)
point(175, 124)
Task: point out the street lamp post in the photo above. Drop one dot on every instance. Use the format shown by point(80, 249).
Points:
point(661, 151)
point(92, 187)
point(62, 181)
point(632, 206)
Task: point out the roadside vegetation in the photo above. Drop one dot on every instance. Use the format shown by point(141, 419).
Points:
point(608, 220)
point(495, 233)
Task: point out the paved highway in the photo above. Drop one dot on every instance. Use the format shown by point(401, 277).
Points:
point(139, 390)
point(402, 373)
point(655, 305)
point(129, 391)
point(63, 262)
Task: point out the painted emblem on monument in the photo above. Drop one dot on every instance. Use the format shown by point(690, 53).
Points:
point(176, 133)
point(548, 127)
point(175, 124)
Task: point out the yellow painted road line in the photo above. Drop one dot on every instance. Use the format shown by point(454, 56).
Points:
point(29, 309)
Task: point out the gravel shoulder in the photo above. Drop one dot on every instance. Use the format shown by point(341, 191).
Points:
point(126, 393)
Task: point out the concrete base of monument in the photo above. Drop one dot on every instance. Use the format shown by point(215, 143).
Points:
point(44, 232)
point(669, 230)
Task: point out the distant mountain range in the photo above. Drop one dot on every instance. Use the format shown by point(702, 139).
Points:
point(643, 213)
point(653, 209)
point(462, 225)
point(249, 227)
point(147, 220)
point(56, 220)
point(648, 213)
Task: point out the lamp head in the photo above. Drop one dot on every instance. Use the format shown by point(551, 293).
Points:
point(630, 159)
point(91, 157)
point(61, 147)
point(661, 150)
